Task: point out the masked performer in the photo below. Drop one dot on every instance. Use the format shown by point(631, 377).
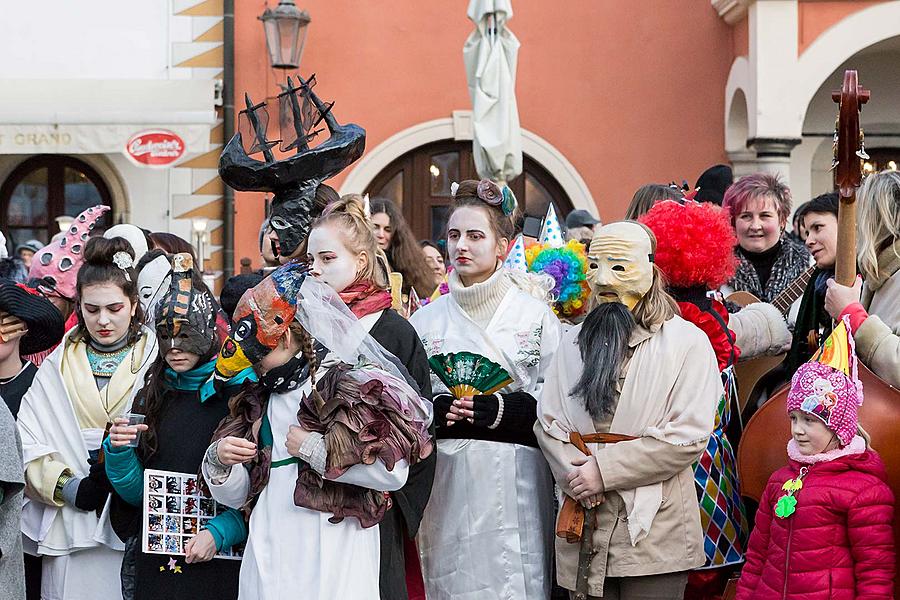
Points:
point(55, 267)
point(695, 254)
point(82, 387)
point(317, 479)
point(296, 182)
point(343, 253)
point(636, 373)
point(181, 416)
point(488, 528)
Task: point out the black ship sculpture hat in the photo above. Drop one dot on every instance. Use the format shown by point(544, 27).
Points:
point(293, 181)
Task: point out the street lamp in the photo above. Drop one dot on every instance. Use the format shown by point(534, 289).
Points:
point(285, 28)
point(200, 225)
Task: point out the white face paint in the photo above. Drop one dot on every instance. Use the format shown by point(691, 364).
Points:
point(472, 245)
point(332, 262)
point(153, 283)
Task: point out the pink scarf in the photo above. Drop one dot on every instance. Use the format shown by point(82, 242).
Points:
point(856, 446)
point(364, 298)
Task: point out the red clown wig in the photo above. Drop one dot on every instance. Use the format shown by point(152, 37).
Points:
point(695, 243)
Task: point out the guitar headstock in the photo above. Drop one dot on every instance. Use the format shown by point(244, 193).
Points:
point(849, 142)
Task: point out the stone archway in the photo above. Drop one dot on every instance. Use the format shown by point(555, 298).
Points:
point(811, 161)
point(779, 84)
point(459, 128)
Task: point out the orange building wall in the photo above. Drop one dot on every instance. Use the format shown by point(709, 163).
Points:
point(630, 93)
point(818, 15)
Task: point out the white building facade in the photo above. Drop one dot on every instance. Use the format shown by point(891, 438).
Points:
point(790, 56)
point(114, 102)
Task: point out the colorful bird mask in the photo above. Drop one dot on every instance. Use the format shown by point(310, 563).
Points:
point(262, 316)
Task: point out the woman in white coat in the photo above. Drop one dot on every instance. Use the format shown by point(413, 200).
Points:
point(79, 390)
point(487, 531)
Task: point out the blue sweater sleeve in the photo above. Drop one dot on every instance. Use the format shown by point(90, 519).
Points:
point(125, 472)
point(228, 528)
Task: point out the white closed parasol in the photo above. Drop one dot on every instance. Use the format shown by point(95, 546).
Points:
point(490, 56)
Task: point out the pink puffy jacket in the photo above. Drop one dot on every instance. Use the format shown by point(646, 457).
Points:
point(838, 545)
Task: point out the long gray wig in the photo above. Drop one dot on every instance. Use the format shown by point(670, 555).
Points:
point(602, 342)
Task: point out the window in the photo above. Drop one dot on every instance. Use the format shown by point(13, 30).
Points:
point(43, 188)
point(419, 183)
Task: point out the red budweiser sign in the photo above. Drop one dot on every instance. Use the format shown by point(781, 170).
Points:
point(155, 148)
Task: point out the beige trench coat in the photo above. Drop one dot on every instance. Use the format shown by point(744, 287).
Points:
point(878, 338)
point(675, 367)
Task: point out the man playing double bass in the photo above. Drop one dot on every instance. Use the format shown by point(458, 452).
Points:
point(636, 387)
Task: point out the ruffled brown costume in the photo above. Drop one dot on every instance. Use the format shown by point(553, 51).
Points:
point(364, 415)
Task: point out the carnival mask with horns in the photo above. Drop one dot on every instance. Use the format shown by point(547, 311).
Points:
point(620, 263)
point(293, 180)
point(186, 316)
point(56, 264)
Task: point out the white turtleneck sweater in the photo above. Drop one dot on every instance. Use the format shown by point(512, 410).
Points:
point(480, 300)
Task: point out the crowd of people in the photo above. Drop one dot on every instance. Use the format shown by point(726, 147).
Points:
point(313, 433)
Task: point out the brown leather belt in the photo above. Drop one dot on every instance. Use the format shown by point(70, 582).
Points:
point(570, 522)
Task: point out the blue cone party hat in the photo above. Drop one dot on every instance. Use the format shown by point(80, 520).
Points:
point(551, 234)
point(515, 258)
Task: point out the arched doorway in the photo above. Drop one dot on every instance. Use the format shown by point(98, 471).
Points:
point(45, 187)
point(419, 183)
point(811, 161)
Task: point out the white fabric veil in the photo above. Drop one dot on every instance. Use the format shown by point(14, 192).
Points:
point(326, 318)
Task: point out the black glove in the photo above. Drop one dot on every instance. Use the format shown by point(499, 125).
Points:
point(93, 489)
point(485, 409)
point(442, 404)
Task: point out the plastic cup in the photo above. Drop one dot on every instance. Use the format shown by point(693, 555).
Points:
point(134, 419)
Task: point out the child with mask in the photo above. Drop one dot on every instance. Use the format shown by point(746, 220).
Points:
point(314, 481)
point(180, 418)
point(824, 526)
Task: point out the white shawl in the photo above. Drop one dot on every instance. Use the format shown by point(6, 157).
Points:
point(48, 426)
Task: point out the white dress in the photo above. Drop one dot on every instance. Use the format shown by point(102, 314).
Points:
point(487, 532)
point(294, 552)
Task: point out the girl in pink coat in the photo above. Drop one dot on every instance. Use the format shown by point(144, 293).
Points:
point(824, 526)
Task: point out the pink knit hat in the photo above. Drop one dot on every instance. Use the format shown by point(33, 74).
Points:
point(58, 262)
point(828, 386)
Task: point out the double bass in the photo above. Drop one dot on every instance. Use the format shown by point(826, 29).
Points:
point(762, 449)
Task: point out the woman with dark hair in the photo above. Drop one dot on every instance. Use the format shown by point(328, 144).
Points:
point(181, 415)
point(818, 219)
point(78, 392)
point(491, 533)
point(171, 243)
point(434, 258)
point(404, 254)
